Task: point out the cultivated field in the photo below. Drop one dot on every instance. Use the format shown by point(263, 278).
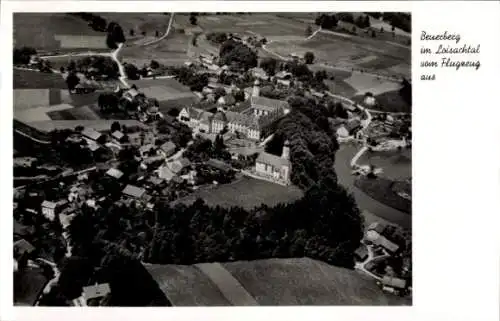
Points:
point(247, 193)
point(38, 30)
point(363, 83)
point(25, 79)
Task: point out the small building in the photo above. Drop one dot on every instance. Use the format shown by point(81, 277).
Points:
point(156, 182)
point(165, 173)
point(361, 253)
point(51, 209)
point(22, 248)
point(65, 219)
point(179, 165)
point(393, 284)
point(342, 132)
point(168, 149)
point(115, 173)
point(119, 136)
point(285, 75)
point(95, 292)
point(134, 192)
point(91, 134)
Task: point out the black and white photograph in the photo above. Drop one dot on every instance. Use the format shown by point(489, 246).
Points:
point(212, 159)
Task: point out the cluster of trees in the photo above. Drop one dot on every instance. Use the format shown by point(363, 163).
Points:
point(190, 78)
point(269, 65)
point(362, 21)
point(108, 102)
point(96, 22)
point(312, 143)
point(203, 149)
point(326, 21)
point(95, 66)
point(235, 53)
point(217, 37)
point(406, 92)
point(399, 20)
point(192, 18)
point(114, 36)
point(22, 56)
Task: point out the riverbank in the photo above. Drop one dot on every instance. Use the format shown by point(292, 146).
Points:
point(385, 191)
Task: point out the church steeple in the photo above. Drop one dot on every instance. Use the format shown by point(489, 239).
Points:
point(286, 150)
point(256, 88)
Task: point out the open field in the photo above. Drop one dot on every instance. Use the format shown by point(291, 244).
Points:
point(149, 22)
point(99, 125)
point(79, 113)
point(281, 282)
point(25, 79)
point(247, 193)
point(381, 189)
point(347, 51)
point(389, 101)
point(38, 30)
point(363, 83)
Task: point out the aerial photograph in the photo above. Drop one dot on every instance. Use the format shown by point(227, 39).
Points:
point(212, 159)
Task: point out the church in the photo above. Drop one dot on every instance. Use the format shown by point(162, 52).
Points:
point(274, 167)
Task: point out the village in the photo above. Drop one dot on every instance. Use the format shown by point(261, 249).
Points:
point(147, 152)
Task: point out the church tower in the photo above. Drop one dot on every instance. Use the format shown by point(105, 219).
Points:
point(286, 150)
point(256, 88)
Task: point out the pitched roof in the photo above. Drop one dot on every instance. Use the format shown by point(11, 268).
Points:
point(377, 227)
point(91, 133)
point(165, 173)
point(394, 282)
point(116, 173)
point(386, 244)
point(278, 282)
point(168, 147)
point(179, 164)
point(96, 291)
point(272, 160)
point(118, 134)
point(268, 104)
point(49, 204)
point(134, 191)
point(22, 246)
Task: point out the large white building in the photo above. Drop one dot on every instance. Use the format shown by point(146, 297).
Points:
point(255, 122)
point(275, 167)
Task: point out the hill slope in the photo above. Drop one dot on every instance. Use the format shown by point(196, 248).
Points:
point(300, 281)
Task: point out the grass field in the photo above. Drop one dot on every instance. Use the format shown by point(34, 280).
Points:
point(24, 79)
point(363, 82)
point(80, 113)
point(389, 101)
point(381, 189)
point(38, 29)
point(247, 193)
point(186, 285)
point(150, 22)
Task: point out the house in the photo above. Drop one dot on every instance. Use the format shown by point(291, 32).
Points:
point(284, 83)
point(65, 219)
point(91, 134)
point(361, 253)
point(275, 167)
point(134, 192)
point(260, 73)
point(284, 75)
point(342, 132)
point(226, 100)
point(94, 292)
point(167, 149)
point(393, 284)
point(179, 165)
point(115, 173)
point(51, 209)
point(22, 248)
point(192, 117)
point(119, 136)
point(383, 242)
point(165, 173)
point(156, 182)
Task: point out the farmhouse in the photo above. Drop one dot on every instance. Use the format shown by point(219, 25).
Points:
point(134, 192)
point(93, 292)
point(393, 284)
point(91, 134)
point(167, 149)
point(51, 209)
point(115, 173)
point(275, 167)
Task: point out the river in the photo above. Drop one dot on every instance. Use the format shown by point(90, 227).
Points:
point(395, 165)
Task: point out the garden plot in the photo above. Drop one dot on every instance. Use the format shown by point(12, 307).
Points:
point(39, 113)
point(363, 83)
point(45, 26)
